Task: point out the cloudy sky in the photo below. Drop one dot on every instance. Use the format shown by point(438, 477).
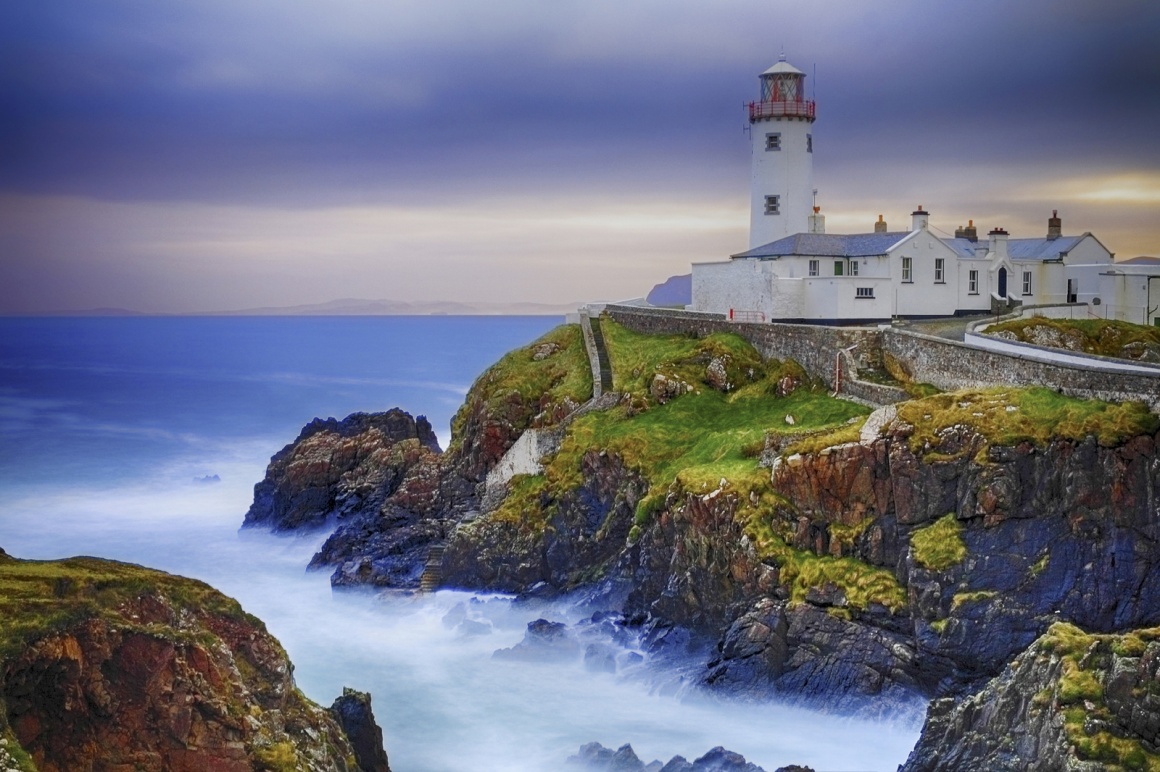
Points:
point(205, 155)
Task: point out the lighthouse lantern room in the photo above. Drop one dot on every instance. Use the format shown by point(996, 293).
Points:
point(783, 146)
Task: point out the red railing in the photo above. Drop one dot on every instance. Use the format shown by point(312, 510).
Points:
point(761, 110)
point(746, 316)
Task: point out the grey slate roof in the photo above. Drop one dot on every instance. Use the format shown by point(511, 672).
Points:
point(1040, 249)
point(828, 245)
point(963, 247)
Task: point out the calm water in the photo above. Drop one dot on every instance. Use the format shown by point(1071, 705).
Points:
point(107, 424)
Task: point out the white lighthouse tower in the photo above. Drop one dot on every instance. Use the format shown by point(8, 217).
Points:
point(783, 156)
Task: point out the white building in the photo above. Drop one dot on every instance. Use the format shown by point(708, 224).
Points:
point(795, 271)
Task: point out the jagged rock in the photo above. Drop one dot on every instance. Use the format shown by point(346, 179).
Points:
point(544, 641)
point(154, 673)
point(1024, 719)
point(597, 758)
point(354, 715)
point(335, 468)
point(717, 375)
point(664, 389)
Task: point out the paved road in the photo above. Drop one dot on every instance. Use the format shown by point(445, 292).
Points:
point(950, 328)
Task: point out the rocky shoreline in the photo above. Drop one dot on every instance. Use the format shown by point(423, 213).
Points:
point(107, 665)
point(865, 570)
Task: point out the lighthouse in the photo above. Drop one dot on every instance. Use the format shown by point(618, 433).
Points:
point(781, 130)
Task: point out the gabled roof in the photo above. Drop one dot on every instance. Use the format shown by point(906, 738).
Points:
point(828, 245)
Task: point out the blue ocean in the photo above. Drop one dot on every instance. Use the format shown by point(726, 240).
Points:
point(141, 439)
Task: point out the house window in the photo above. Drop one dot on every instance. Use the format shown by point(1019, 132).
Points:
point(907, 274)
point(814, 268)
point(853, 267)
point(863, 292)
point(773, 141)
point(1027, 282)
point(773, 204)
point(973, 283)
point(837, 267)
point(809, 143)
point(939, 264)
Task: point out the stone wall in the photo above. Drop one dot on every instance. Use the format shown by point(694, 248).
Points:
point(950, 365)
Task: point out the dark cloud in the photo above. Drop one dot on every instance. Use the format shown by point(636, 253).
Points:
point(314, 104)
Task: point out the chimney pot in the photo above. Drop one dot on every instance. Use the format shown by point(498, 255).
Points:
point(1054, 226)
point(880, 226)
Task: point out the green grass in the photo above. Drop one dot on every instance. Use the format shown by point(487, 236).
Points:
point(1085, 658)
point(961, 599)
point(1105, 337)
point(518, 387)
point(38, 598)
point(939, 545)
point(802, 570)
point(1008, 416)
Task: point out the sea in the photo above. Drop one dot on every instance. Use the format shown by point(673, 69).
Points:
point(140, 439)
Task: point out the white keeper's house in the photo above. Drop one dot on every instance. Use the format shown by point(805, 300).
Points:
point(795, 271)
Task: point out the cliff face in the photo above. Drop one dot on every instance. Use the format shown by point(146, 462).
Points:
point(110, 666)
point(1071, 702)
point(872, 565)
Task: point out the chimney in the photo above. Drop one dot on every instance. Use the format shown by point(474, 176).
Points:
point(817, 221)
point(1054, 226)
point(999, 242)
point(919, 220)
point(880, 226)
point(970, 233)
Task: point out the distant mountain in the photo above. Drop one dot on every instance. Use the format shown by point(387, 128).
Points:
point(673, 291)
point(363, 307)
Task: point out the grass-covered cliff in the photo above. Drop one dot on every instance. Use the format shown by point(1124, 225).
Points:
point(822, 552)
point(107, 665)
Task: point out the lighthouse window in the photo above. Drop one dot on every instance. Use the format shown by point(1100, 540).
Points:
point(809, 143)
point(773, 141)
point(773, 204)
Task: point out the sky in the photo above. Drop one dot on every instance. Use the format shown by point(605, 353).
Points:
point(209, 155)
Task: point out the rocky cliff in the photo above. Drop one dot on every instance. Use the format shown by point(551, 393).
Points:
point(869, 564)
point(110, 666)
point(1072, 702)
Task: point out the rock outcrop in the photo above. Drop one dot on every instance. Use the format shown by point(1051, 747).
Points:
point(337, 468)
point(1072, 702)
point(106, 665)
point(596, 758)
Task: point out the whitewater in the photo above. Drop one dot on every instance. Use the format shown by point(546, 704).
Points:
point(141, 440)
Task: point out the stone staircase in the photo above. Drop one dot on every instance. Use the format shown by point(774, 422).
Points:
point(597, 354)
point(601, 356)
point(432, 575)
